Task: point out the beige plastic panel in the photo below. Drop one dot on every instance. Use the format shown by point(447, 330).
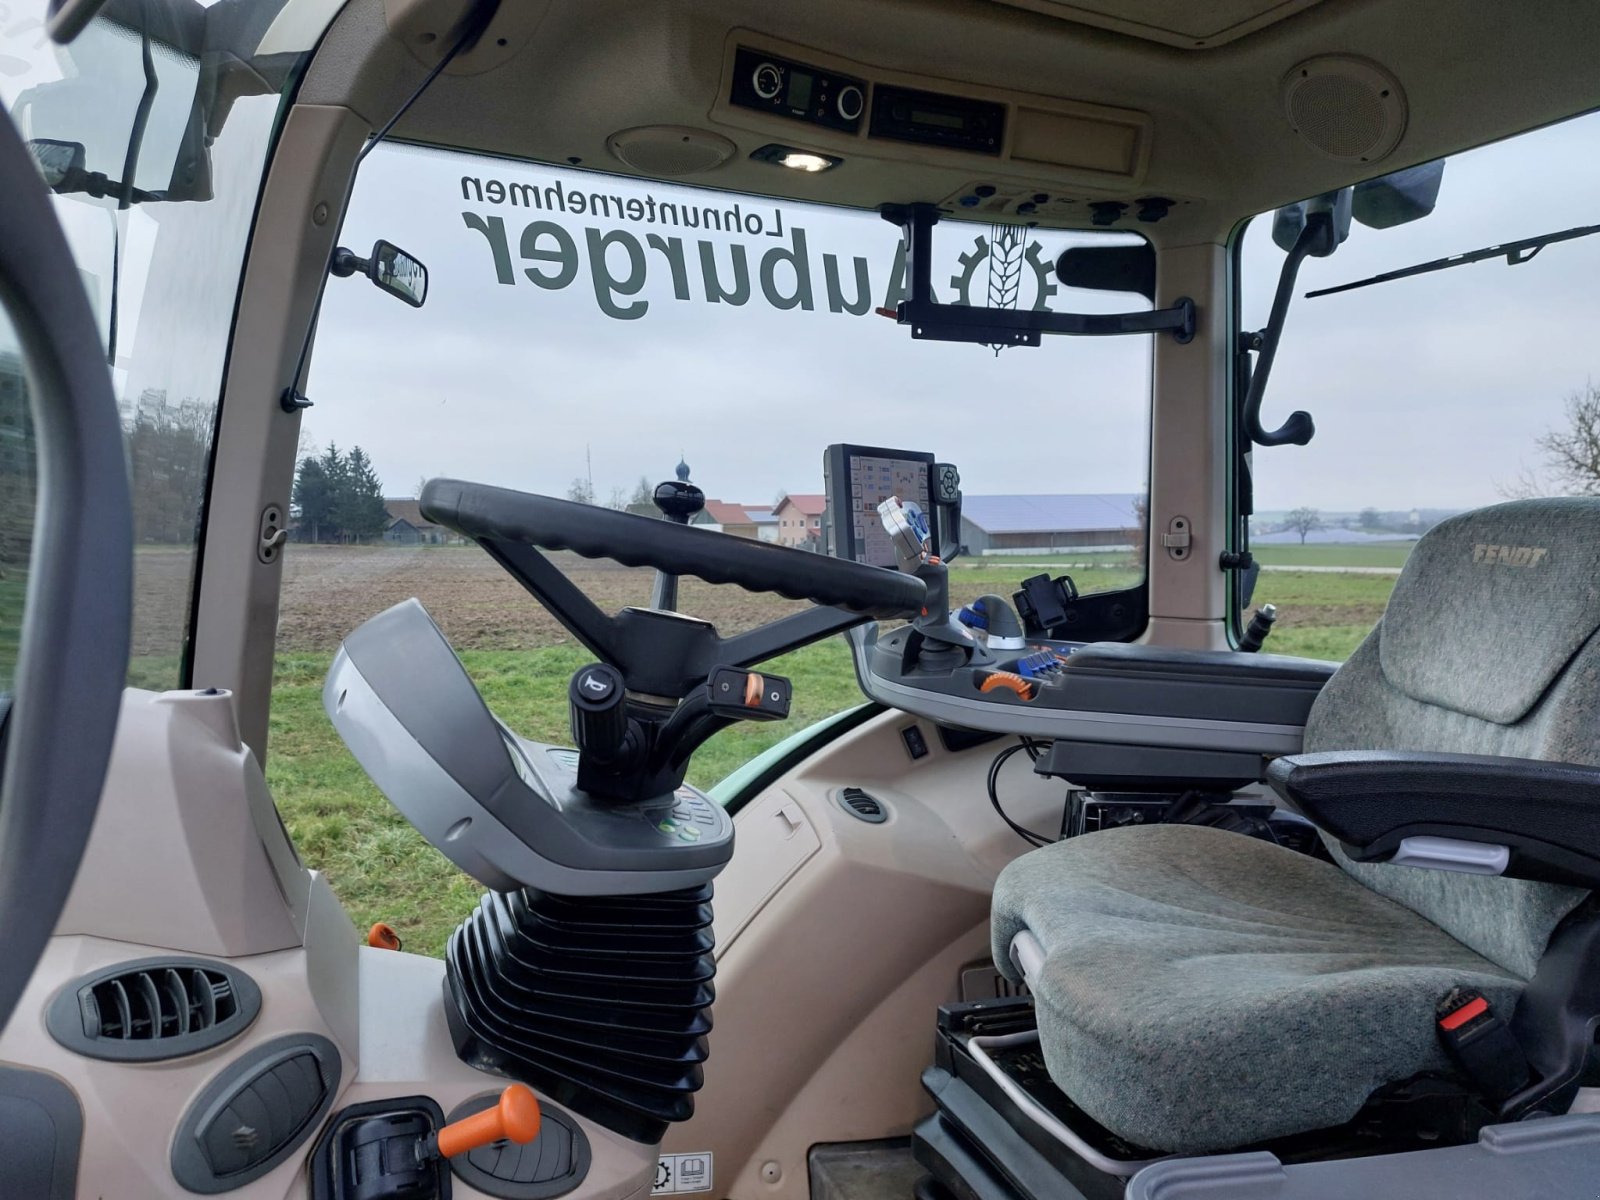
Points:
point(1188, 454)
point(187, 856)
point(187, 851)
point(825, 1004)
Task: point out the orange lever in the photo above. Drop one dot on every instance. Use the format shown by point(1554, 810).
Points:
point(514, 1119)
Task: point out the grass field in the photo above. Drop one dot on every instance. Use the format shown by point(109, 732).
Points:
point(1382, 554)
point(522, 661)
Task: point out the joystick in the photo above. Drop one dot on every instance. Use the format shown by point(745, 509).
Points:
point(945, 643)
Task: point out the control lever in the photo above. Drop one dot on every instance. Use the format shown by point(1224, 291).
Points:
point(943, 642)
point(599, 703)
point(1260, 627)
point(515, 1119)
point(678, 501)
point(396, 1150)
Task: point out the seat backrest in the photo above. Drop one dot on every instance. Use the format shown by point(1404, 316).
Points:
point(1489, 645)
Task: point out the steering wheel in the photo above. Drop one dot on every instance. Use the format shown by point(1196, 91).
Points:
point(665, 654)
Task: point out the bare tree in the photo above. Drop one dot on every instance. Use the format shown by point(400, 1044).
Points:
point(618, 498)
point(1303, 521)
point(1574, 452)
point(580, 491)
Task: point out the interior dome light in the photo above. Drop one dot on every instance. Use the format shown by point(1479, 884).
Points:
point(794, 158)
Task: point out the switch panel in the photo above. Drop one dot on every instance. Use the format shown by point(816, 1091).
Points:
point(255, 1113)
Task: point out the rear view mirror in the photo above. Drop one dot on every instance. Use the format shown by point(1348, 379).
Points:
point(390, 267)
point(57, 161)
point(1289, 220)
point(1399, 197)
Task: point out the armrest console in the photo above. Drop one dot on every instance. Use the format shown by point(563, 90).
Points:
point(1484, 814)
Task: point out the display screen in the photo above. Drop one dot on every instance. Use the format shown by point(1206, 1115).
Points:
point(800, 89)
point(922, 116)
point(871, 481)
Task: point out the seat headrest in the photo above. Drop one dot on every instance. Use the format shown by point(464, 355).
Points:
point(1493, 604)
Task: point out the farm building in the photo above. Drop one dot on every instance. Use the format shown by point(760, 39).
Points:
point(408, 527)
point(726, 517)
point(1050, 524)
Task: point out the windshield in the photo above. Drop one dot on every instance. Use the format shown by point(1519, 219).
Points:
point(1433, 393)
point(153, 130)
point(588, 336)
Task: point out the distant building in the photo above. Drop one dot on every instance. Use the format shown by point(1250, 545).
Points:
point(408, 527)
point(1050, 524)
point(800, 519)
point(727, 517)
point(766, 523)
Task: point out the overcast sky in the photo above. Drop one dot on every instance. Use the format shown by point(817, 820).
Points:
point(1427, 392)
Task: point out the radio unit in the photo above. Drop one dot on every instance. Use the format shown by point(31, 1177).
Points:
point(768, 83)
point(931, 119)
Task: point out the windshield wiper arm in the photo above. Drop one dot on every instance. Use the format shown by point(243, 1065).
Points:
point(1515, 253)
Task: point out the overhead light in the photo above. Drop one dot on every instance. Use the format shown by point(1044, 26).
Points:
point(794, 158)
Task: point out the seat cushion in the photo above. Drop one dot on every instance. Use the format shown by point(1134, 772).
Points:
point(1202, 990)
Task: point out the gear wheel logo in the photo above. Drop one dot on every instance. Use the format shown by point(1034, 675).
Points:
point(1007, 254)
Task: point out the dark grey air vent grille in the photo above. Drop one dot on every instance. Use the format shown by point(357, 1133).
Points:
point(864, 805)
point(153, 1009)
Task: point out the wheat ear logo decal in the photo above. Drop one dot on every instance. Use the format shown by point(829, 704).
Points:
point(1009, 257)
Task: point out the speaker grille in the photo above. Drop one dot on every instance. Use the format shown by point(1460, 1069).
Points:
point(1345, 108)
point(670, 150)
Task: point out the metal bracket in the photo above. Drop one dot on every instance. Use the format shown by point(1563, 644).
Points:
point(1177, 539)
point(273, 534)
point(932, 321)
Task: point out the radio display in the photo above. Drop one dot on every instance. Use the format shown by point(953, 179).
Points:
point(921, 116)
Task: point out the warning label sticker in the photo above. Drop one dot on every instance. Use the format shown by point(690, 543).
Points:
point(679, 1173)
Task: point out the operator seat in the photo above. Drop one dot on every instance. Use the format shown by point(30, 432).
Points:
point(1196, 990)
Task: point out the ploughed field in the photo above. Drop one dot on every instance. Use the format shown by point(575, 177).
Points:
point(522, 660)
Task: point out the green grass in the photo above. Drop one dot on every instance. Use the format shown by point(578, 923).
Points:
point(383, 870)
point(1332, 554)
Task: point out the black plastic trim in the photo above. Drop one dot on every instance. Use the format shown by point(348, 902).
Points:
point(1548, 813)
point(472, 1171)
point(326, 1182)
point(41, 1130)
point(73, 658)
point(190, 1165)
point(66, 1016)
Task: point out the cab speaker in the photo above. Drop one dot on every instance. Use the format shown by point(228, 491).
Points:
point(1347, 108)
point(670, 149)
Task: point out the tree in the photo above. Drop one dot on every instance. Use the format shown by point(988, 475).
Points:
point(619, 498)
point(1371, 518)
point(580, 491)
point(358, 507)
point(314, 498)
point(643, 491)
point(1303, 521)
point(1574, 452)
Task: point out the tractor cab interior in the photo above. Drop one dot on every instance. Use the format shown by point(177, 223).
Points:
point(998, 839)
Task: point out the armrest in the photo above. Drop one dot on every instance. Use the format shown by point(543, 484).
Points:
point(1479, 813)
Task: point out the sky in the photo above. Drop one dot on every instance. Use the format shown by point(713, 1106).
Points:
point(1428, 392)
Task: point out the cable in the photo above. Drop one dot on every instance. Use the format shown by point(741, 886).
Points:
point(1027, 835)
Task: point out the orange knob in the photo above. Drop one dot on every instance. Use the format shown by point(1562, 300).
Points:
point(514, 1119)
point(383, 937)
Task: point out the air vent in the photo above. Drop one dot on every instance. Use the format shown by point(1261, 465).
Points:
point(864, 805)
point(153, 1009)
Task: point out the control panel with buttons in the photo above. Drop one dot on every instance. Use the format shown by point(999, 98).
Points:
point(769, 83)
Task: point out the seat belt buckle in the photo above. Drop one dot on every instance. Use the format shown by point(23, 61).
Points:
point(1481, 1044)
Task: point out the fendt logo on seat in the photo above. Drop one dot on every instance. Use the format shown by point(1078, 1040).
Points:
point(1508, 556)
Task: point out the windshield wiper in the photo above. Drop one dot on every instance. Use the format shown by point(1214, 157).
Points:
point(1515, 253)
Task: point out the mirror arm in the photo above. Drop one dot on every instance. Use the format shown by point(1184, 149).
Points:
point(1317, 238)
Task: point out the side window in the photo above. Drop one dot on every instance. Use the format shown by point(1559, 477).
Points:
point(1434, 393)
point(18, 477)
